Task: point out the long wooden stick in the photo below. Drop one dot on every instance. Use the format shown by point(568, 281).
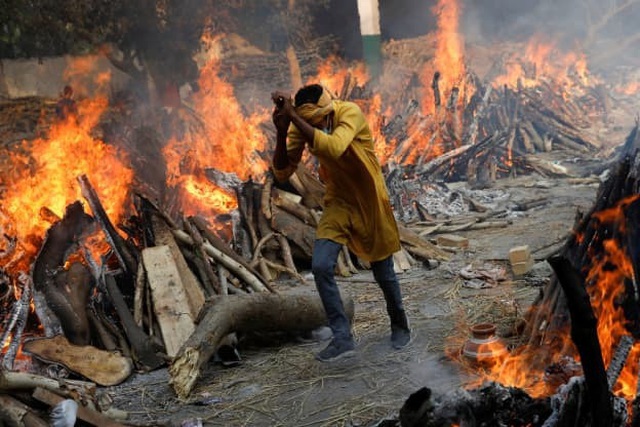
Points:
point(222, 246)
point(199, 242)
point(25, 381)
point(236, 268)
point(125, 258)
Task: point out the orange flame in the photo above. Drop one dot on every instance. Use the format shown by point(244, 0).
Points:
point(222, 138)
point(630, 88)
point(606, 278)
point(542, 60)
point(45, 171)
point(334, 72)
point(453, 89)
point(608, 274)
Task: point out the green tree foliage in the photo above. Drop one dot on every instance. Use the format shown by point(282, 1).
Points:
point(146, 38)
point(39, 28)
point(151, 40)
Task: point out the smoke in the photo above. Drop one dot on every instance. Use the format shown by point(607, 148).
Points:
point(593, 27)
point(433, 373)
point(602, 30)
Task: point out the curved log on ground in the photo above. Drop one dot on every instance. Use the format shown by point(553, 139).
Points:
point(258, 312)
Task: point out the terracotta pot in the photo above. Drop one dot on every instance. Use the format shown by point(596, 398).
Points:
point(483, 345)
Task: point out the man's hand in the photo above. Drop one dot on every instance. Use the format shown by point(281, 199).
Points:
point(283, 101)
point(280, 120)
point(281, 115)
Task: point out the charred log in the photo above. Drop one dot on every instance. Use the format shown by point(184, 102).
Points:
point(67, 304)
point(584, 335)
point(491, 404)
point(145, 351)
point(126, 259)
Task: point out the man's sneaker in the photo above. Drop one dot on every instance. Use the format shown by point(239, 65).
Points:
point(336, 350)
point(400, 337)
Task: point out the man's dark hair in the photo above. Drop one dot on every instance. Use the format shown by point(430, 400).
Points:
point(309, 94)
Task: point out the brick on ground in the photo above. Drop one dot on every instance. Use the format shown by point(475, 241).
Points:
point(520, 260)
point(452, 241)
point(519, 254)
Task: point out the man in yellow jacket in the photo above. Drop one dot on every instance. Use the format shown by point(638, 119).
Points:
point(356, 211)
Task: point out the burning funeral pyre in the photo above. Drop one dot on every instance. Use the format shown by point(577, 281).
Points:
point(131, 247)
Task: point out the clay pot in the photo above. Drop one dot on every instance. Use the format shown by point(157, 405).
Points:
point(484, 346)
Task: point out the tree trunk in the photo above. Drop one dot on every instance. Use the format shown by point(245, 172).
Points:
point(264, 312)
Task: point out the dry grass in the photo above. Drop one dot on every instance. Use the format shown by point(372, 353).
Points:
point(279, 383)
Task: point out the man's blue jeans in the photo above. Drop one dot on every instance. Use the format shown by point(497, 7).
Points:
point(323, 265)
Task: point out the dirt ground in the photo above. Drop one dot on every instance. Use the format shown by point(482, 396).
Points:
point(279, 383)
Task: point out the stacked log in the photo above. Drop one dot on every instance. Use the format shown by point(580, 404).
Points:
point(49, 399)
point(505, 126)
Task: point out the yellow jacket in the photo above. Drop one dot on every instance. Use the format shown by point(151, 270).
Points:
point(357, 211)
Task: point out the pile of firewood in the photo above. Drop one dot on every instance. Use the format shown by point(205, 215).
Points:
point(170, 290)
point(496, 129)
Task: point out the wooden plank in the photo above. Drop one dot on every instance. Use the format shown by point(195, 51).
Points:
point(191, 284)
point(420, 247)
point(170, 300)
point(100, 366)
point(401, 261)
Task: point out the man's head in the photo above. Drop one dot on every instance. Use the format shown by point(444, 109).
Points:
point(314, 104)
point(309, 94)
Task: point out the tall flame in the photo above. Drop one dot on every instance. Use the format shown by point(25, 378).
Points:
point(452, 88)
point(44, 173)
point(449, 55)
point(606, 278)
point(221, 138)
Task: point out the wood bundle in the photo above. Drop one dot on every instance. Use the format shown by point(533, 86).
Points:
point(22, 118)
point(504, 127)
